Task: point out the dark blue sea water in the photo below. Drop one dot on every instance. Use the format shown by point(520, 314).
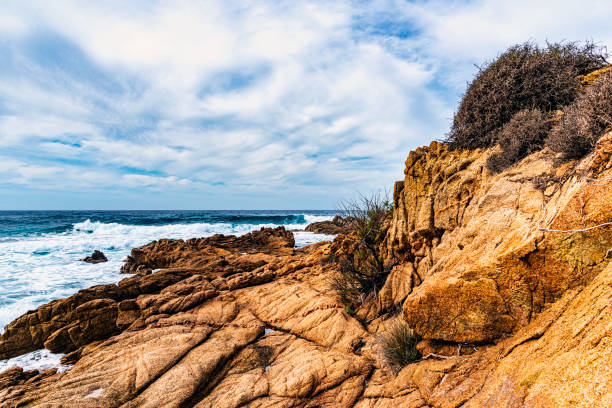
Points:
point(41, 251)
point(40, 222)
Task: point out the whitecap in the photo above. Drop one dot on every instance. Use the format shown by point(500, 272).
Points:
point(317, 218)
point(36, 269)
point(303, 238)
point(36, 360)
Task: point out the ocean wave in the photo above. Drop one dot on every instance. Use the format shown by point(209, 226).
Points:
point(213, 217)
point(28, 223)
point(317, 218)
point(36, 269)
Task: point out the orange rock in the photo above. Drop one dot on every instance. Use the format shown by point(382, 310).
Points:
point(513, 310)
point(481, 244)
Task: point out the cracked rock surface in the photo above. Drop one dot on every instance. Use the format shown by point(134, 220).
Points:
point(513, 311)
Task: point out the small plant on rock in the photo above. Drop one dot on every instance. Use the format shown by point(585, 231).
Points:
point(399, 344)
point(366, 216)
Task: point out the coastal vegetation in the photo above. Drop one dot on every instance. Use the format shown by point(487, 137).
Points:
point(399, 343)
point(513, 100)
point(524, 134)
point(363, 270)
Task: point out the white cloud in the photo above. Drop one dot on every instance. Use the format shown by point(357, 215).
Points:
point(153, 182)
point(463, 34)
point(271, 96)
point(12, 24)
point(17, 129)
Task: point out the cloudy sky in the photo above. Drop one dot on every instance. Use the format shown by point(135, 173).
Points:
point(241, 104)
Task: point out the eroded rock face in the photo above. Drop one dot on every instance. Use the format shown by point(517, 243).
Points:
point(198, 252)
point(513, 312)
point(256, 329)
point(485, 261)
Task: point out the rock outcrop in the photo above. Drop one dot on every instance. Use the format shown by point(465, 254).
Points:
point(99, 312)
point(489, 253)
point(507, 279)
point(198, 252)
point(96, 257)
point(337, 225)
point(245, 320)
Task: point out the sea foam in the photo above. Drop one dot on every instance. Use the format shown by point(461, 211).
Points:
point(36, 360)
point(36, 269)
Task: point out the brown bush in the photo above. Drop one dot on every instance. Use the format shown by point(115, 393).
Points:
point(359, 276)
point(524, 134)
point(523, 77)
point(584, 121)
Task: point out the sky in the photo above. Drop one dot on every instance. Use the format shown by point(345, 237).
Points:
point(241, 104)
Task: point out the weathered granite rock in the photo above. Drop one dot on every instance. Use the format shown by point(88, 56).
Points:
point(513, 312)
point(588, 79)
point(198, 252)
point(282, 339)
point(485, 259)
point(96, 257)
point(16, 376)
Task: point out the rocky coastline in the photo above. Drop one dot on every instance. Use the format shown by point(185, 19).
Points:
point(506, 279)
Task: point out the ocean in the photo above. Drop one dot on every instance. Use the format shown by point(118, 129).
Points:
point(41, 251)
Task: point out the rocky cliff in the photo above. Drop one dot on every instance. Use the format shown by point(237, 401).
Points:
point(506, 278)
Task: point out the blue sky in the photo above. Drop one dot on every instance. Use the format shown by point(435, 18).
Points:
point(241, 105)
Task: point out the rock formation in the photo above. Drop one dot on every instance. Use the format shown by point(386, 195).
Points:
point(505, 277)
point(96, 257)
point(337, 225)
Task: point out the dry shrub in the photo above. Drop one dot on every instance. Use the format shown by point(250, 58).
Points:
point(362, 269)
point(584, 121)
point(399, 344)
point(367, 216)
point(523, 77)
point(359, 277)
point(522, 135)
